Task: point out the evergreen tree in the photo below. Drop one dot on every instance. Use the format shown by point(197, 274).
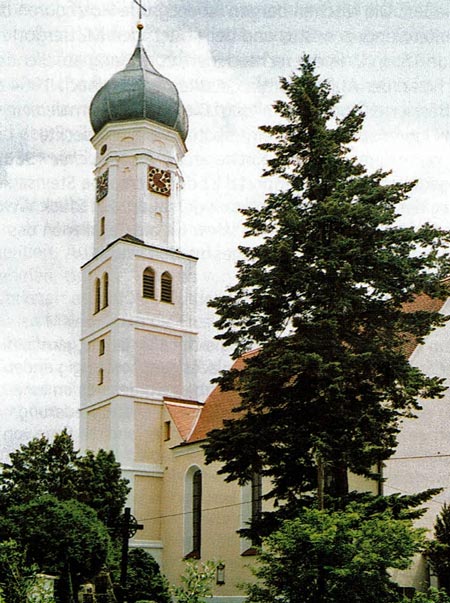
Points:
point(321, 293)
point(144, 579)
point(439, 549)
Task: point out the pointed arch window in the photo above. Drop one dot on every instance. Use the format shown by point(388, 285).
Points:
point(105, 279)
point(166, 287)
point(148, 283)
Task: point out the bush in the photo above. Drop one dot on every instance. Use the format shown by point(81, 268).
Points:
point(144, 580)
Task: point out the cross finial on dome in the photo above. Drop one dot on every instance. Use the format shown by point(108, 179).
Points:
point(140, 25)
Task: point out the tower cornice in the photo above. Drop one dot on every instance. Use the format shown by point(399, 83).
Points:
point(138, 124)
point(141, 156)
point(139, 243)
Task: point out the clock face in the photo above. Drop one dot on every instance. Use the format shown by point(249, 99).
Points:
point(101, 186)
point(158, 181)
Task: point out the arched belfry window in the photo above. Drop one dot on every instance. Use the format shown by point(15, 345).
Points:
point(97, 295)
point(193, 513)
point(148, 283)
point(166, 287)
point(105, 290)
point(101, 294)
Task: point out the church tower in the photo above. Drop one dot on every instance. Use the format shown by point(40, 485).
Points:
point(138, 342)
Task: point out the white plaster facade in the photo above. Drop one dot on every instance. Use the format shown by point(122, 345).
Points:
point(136, 351)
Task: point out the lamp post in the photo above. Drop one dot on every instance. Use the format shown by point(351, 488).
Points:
point(220, 573)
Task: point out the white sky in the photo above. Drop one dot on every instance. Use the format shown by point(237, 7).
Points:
point(391, 56)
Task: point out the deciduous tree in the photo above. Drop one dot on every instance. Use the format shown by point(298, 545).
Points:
point(335, 557)
point(44, 467)
point(64, 538)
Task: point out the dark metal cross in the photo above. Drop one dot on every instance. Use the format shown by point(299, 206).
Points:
point(129, 526)
point(141, 8)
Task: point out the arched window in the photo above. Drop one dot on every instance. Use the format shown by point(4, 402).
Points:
point(105, 290)
point(193, 513)
point(251, 509)
point(97, 296)
point(148, 283)
point(256, 499)
point(196, 513)
point(166, 287)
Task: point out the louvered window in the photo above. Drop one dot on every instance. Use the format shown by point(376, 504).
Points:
point(166, 287)
point(105, 290)
point(97, 295)
point(148, 283)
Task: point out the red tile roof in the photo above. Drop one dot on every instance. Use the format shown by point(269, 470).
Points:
point(219, 404)
point(184, 414)
point(422, 302)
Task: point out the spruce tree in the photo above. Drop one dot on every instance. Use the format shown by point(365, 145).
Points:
point(321, 293)
point(439, 548)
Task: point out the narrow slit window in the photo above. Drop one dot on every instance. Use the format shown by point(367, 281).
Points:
point(101, 347)
point(100, 376)
point(166, 431)
point(166, 287)
point(105, 290)
point(102, 226)
point(148, 283)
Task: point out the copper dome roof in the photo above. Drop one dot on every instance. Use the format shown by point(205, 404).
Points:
point(139, 92)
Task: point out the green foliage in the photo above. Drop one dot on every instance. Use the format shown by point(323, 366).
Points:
point(433, 595)
point(321, 292)
point(439, 549)
point(16, 576)
point(55, 468)
point(335, 557)
point(99, 484)
point(196, 582)
point(59, 537)
point(144, 579)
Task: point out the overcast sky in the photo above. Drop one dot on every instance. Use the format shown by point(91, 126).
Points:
point(391, 56)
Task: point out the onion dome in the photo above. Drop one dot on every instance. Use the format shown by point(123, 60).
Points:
point(139, 92)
